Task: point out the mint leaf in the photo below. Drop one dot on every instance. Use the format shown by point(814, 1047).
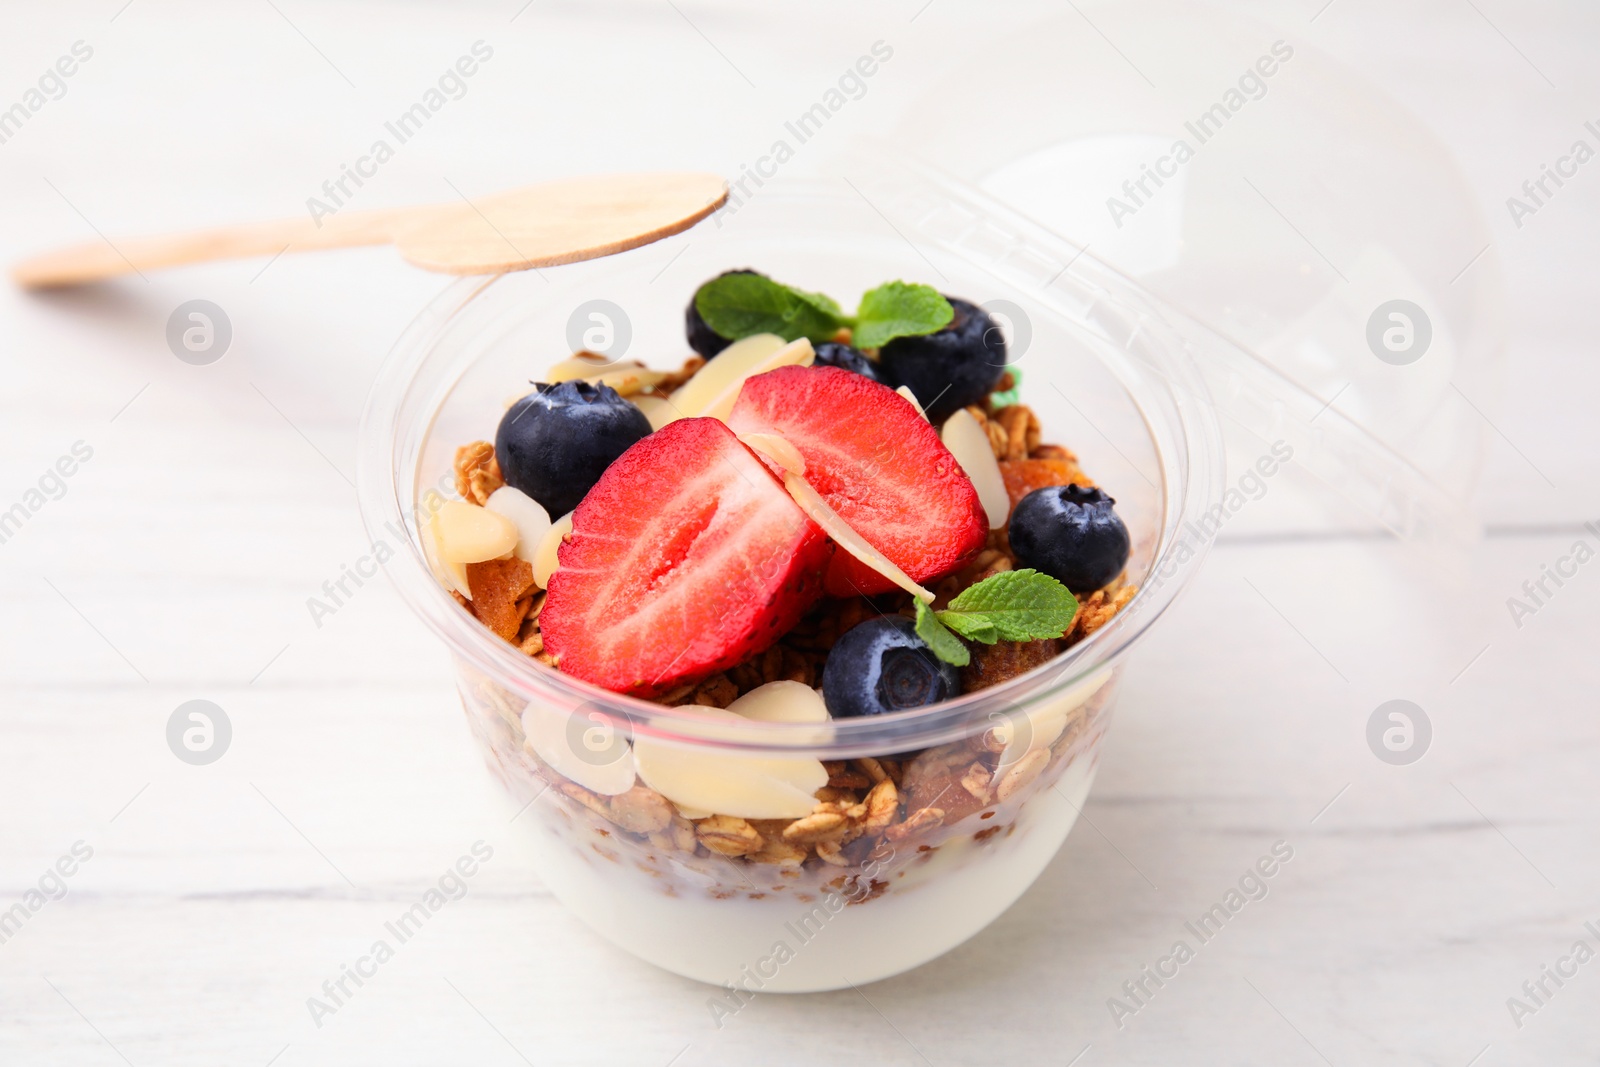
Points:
point(1012, 395)
point(822, 302)
point(899, 309)
point(972, 627)
point(1010, 606)
point(941, 642)
point(742, 305)
point(1020, 605)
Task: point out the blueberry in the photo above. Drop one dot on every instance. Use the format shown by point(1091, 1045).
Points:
point(1070, 533)
point(880, 666)
point(952, 368)
point(554, 443)
point(702, 338)
point(833, 354)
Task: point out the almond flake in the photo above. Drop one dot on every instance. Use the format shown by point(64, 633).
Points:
point(626, 377)
point(781, 701)
point(845, 537)
point(580, 364)
point(466, 533)
point(526, 514)
point(969, 444)
point(589, 753)
point(729, 782)
point(715, 387)
point(453, 575)
point(778, 449)
point(905, 391)
point(658, 409)
point(544, 557)
point(630, 380)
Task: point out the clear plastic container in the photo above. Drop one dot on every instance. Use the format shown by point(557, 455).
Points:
point(1111, 376)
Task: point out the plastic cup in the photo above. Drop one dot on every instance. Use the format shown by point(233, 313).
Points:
point(990, 784)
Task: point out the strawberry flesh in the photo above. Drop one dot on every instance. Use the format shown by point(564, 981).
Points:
point(686, 558)
point(878, 463)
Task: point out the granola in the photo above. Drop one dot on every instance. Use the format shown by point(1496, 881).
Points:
point(477, 472)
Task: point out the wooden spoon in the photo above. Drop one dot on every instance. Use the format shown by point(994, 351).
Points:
point(536, 226)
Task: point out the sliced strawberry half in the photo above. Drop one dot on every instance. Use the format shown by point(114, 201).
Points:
point(686, 558)
point(878, 463)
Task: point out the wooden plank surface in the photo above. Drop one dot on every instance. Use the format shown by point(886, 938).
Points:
point(178, 561)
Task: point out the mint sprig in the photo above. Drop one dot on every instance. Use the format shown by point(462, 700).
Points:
point(1021, 606)
point(899, 309)
point(940, 642)
point(741, 305)
point(1010, 606)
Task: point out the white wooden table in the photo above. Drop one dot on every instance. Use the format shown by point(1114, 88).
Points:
point(178, 562)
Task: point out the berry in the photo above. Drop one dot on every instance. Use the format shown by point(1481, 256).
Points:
point(702, 338)
point(686, 558)
point(833, 354)
point(952, 368)
point(1072, 534)
point(876, 462)
point(554, 443)
point(880, 666)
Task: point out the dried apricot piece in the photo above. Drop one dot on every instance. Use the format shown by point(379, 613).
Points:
point(1023, 476)
point(497, 586)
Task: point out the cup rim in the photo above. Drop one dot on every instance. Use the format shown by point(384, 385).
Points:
point(1186, 490)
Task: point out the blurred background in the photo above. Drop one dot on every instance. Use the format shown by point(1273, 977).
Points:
point(206, 503)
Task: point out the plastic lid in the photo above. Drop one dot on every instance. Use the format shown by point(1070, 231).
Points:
point(1332, 267)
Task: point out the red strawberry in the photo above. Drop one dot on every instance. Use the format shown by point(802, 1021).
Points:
point(876, 462)
point(686, 558)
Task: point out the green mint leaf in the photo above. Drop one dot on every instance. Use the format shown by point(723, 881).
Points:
point(972, 627)
point(899, 309)
point(941, 642)
point(1021, 605)
point(1012, 395)
point(742, 305)
point(822, 302)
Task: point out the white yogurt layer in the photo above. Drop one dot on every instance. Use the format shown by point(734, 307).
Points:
point(930, 908)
